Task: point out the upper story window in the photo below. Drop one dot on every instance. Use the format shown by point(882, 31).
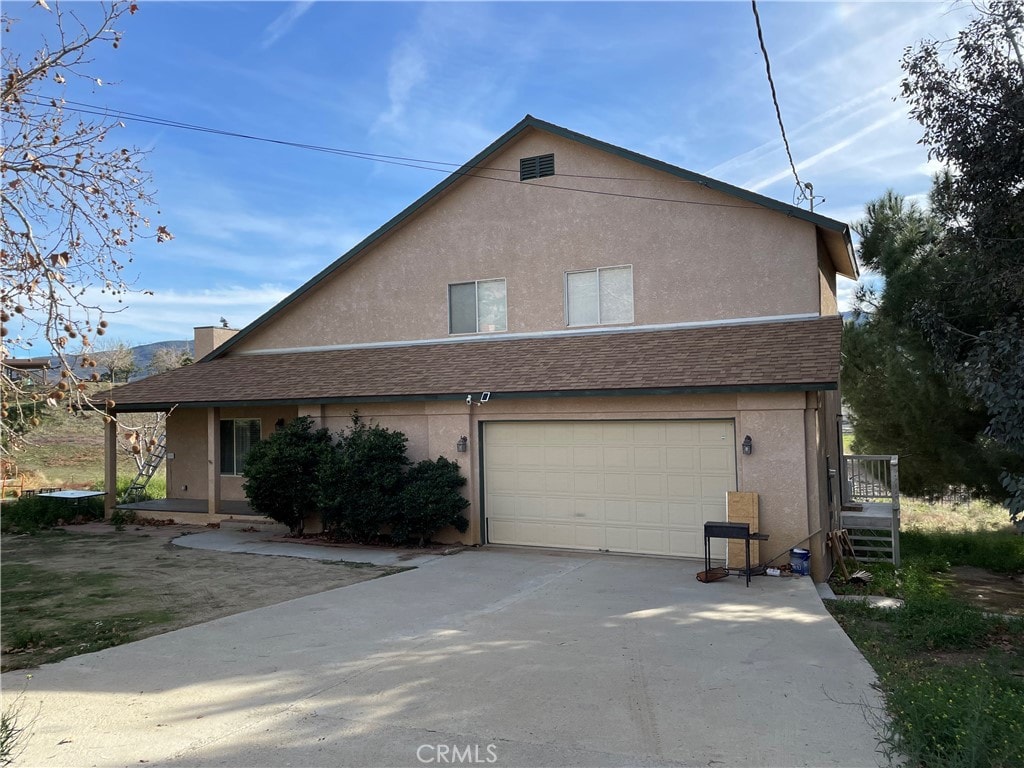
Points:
point(237, 436)
point(599, 296)
point(536, 167)
point(477, 307)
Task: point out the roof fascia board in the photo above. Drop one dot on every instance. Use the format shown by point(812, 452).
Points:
point(561, 393)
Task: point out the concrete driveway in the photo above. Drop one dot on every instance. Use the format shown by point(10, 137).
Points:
point(493, 657)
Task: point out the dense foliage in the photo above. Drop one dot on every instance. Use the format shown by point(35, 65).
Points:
point(281, 472)
point(360, 486)
point(952, 312)
point(431, 501)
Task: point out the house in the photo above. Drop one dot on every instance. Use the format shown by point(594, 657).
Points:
point(593, 334)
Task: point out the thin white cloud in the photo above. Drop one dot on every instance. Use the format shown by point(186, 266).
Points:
point(835, 147)
point(408, 70)
point(279, 27)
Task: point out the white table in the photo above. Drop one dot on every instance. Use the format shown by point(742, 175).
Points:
point(73, 496)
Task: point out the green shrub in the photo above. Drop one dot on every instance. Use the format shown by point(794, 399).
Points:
point(29, 514)
point(430, 501)
point(362, 484)
point(282, 473)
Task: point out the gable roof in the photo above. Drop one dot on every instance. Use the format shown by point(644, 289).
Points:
point(835, 234)
point(796, 355)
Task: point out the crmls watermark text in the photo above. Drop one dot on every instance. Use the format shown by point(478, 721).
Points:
point(454, 754)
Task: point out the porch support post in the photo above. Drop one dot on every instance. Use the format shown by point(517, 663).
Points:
point(110, 466)
point(213, 460)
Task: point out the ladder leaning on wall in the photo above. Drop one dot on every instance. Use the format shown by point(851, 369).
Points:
point(154, 458)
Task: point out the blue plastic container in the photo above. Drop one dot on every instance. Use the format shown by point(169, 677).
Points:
point(800, 560)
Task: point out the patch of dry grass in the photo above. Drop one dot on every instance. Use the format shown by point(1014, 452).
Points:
point(921, 515)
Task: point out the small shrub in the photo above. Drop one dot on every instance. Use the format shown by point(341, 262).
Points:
point(30, 514)
point(122, 517)
point(281, 473)
point(361, 486)
point(430, 501)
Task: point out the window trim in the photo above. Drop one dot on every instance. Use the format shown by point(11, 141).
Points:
point(597, 271)
point(234, 453)
point(476, 296)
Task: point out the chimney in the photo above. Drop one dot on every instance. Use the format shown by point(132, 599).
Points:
point(209, 337)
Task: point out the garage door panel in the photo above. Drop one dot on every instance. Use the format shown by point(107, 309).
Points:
point(558, 482)
point(652, 541)
point(618, 484)
point(617, 457)
point(643, 486)
point(620, 539)
point(587, 457)
point(651, 485)
point(714, 460)
point(648, 512)
point(586, 483)
point(619, 511)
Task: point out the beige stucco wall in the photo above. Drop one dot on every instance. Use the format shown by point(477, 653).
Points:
point(788, 432)
point(721, 259)
point(187, 472)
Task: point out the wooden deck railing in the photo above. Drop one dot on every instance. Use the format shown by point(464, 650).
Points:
point(870, 509)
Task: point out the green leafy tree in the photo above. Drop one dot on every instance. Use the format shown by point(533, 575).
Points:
point(431, 500)
point(901, 400)
point(282, 473)
point(971, 306)
point(955, 303)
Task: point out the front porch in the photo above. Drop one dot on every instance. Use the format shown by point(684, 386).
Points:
point(193, 511)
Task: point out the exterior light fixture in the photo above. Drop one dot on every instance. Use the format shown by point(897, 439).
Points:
point(748, 446)
point(462, 444)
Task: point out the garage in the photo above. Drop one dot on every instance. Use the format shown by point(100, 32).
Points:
point(644, 487)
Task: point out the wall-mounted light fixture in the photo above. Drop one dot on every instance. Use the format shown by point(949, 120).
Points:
point(748, 446)
point(462, 444)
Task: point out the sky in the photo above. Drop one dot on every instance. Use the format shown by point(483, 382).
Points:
point(683, 82)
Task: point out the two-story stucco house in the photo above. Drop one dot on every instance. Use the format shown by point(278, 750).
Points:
point(600, 331)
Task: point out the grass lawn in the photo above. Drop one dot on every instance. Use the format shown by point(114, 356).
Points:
point(65, 593)
point(951, 671)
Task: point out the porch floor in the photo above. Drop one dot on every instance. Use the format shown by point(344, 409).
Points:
point(189, 506)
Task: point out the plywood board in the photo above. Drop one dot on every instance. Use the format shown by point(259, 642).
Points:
point(742, 507)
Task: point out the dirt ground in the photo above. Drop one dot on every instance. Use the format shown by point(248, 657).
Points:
point(995, 592)
point(88, 587)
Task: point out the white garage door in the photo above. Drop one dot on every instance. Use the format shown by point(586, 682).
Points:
point(622, 486)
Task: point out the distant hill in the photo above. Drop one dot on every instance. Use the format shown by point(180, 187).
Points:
point(143, 357)
point(144, 354)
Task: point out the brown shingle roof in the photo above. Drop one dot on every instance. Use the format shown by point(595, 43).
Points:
point(780, 355)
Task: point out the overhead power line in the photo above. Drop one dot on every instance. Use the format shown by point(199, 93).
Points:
point(806, 191)
point(408, 162)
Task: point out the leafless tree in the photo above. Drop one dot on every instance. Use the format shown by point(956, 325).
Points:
point(169, 358)
point(73, 203)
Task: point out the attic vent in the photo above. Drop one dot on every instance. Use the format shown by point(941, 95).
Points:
point(536, 167)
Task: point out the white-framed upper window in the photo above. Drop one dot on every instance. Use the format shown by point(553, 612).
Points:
point(237, 436)
point(477, 307)
point(601, 296)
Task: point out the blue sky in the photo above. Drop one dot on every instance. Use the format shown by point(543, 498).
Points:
point(680, 81)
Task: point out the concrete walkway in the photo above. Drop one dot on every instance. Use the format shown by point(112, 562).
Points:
point(515, 658)
point(263, 542)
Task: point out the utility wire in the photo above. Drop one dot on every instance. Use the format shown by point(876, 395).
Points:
point(92, 109)
point(805, 189)
point(426, 165)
